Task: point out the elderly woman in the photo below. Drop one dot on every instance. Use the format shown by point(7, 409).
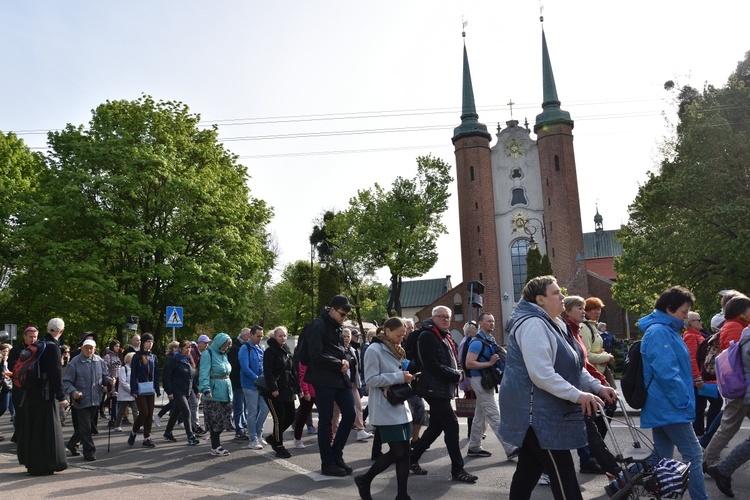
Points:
point(282, 385)
point(216, 388)
point(670, 404)
point(546, 392)
point(470, 330)
point(694, 337)
point(384, 368)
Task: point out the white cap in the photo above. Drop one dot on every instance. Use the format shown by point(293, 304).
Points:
point(89, 342)
point(716, 322)
point(55, 325)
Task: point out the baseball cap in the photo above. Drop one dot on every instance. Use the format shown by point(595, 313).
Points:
point(341, 301)
point(89, 342)
point(55, 325)
point(716, 322)
point(204, 338)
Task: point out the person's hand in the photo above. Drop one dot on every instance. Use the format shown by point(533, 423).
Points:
point(608, 394)
point(307, 397)
point(494, 359)
point(63, 403)
point(408, 377)
point(700, 384)
point(344, 366)
point(275, 394)
point(590, 403)
point(461, 376)
point(208, 394)
point(611, 360)
point(169, 396)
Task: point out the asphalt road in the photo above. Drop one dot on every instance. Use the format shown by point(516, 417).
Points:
point(175, 470)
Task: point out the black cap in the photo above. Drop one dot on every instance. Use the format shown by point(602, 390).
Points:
point(341, 302)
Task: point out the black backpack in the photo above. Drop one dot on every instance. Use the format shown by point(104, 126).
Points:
point(631, 382)
point(27, 374)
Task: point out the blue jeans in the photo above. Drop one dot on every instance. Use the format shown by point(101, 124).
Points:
point(324, 399)
point(256, 411)
point(682, 436)
point(238, 409)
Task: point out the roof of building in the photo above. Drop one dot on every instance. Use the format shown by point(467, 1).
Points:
point(419, 293)
point(603, 267)
point(601, 244)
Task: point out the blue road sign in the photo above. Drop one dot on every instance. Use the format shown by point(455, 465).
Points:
point(174, 316)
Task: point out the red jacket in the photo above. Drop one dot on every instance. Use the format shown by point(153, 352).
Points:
point(732, 330)
point(575, 328)
point(693, 339)
point(304, 386)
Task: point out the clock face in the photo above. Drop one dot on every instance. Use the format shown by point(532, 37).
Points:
point(514, 148)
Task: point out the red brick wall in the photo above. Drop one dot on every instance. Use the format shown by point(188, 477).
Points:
point(562, 211)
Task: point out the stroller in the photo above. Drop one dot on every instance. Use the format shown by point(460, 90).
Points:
point(641, 476)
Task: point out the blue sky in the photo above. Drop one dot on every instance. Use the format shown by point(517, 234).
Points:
point(322, 98)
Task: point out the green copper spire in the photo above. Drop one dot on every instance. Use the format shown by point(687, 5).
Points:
point(470, 125)
point(552, 113)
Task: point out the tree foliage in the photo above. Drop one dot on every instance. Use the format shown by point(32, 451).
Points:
point(141, 210)
point(396, 228)
point(688, 222)
point(291, 300)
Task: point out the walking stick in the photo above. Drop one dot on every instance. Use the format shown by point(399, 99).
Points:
point(109, 434)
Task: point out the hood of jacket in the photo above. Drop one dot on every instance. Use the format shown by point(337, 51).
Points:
point(274, 344)
point(526, 309)
point(660, 318)
point(218, 341)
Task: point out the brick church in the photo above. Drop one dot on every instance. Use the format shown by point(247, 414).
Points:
point(517, 194)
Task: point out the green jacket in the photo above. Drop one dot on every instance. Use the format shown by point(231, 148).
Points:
point(215, 370)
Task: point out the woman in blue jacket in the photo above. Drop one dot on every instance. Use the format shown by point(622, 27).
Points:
point(144, 386)
point(670, 405)
point(217, 390)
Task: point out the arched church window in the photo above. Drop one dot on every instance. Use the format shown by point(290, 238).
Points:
point(518, 251)
point(518, 197)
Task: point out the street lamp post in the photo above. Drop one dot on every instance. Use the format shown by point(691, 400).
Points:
point(531, 229)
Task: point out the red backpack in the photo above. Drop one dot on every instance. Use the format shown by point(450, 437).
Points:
point(27, 373)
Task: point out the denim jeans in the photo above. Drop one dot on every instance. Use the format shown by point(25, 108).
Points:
point(238, 409)
point(256, 411)
point(682, 436)
point(324, 399)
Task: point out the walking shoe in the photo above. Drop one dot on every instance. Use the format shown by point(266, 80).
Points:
point(332, 470)
point(241, 437)
point(90, 458)
point(73, 450)
point(117, 429)
point(199, 431)
point(131, 439)
point(193, 440)
point(311, 429)
point(170, 437)
point(543, 480)
point(157, 420)
point(591, 468)
point(147, 443)
point(363, 487)
point(271, 440)
point(299, 444)
point(464, 477)
point(254, 444)
point(416, 469)
point(343, 465)
point(126, 422)
point(363, 435)
point(479, 453)
point(282, 452)
point(262, 441)
point(514, 454)
point(724, 483)
point(219, 452)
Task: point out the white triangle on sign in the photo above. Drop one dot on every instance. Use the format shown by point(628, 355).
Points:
point(174, 318)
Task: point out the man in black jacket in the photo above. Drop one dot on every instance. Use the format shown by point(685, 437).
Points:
point(438, 359)
point(327, 373)
point(238, 398)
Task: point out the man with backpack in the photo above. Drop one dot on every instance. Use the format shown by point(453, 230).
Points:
point(40, 440)
point(30, 335)
point(238, 398)
point(481, 360)
point(251, 367)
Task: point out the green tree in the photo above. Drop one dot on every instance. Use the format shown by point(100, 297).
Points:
point(142, 209)
point(688, 222)
point(19, 171)
point(290, 299)
point(397, 228)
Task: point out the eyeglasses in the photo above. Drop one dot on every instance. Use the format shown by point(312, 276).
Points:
point(443, 317)
point(343, 314)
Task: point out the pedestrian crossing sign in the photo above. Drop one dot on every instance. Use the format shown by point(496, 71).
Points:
point(174, 316)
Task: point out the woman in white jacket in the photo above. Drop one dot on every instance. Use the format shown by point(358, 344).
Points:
point(125, 400)
point(383, 368)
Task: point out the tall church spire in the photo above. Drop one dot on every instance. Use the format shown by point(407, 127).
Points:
point(470, 125)
point(552, 113)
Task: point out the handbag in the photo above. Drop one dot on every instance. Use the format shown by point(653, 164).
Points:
point(398, 393)
point(146, 388)
point(262, 385)
point(492, 378)
point(465, 406)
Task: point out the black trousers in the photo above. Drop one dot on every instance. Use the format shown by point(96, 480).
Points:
point(442, 420)
point(282, 413)
point(82, 429)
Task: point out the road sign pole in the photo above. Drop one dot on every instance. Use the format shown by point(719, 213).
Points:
point(173, 334)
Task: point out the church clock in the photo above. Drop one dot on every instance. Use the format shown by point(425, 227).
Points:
point(514, 148)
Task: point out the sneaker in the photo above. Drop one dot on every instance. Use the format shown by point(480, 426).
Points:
point(241, 437)
point(199, 431)
point(479, 453)
point(219, 452)
point(193, 441)
point(254, 444)
point(514, 454)
point(126, 422)
point(591, 468)
point(282, 452)
point(363, 435)
point(464, 477)
point(724, 483)
point(131, 439)
point(332, 470)
point(311, 429)
point(263, 441)
point(170, 437)
point(117, 429)
point(157, 420)
point(543, 480)
point(299, 444)
point(416, 469)
point(147, 443)
point(343, 465)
